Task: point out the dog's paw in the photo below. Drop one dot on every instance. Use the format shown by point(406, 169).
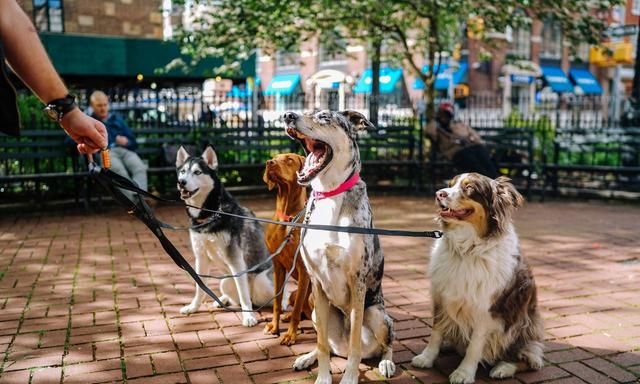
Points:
point(462, 376)
point(224, 299)
point(271, 328)
point(534, 360)
point(191, 308)
point(288, 338)
point(503, 370)
point(387, 368)
point(324, 379)
point(423, 360)
point(249, 320)
point(305, 361)
point(350, 378)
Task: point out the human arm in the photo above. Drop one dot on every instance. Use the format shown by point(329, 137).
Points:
point(431, 130)
point(29, 60)
point(474, 137)
point(125, 136)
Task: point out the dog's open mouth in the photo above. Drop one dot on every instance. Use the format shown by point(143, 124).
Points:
point(458, 214)
point(186, 194)
point(318, 153)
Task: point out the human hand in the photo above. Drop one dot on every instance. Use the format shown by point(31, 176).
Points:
point(122, 141)
point(89, 133)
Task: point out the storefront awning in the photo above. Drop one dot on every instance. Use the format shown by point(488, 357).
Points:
point(122, 57)
point(237, 91)
point(586, 81)
point(443, 76)
point(389, 78)
point(282, 85)
point(556, 79)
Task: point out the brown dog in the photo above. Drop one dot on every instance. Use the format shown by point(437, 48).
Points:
point(292, 197)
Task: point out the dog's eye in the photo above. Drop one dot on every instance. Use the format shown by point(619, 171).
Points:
point(197, 173)
point(182, 171)
point(469, 188)
point(289, 160)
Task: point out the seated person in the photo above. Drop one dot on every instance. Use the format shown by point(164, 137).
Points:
point(122, 143)
point(459, 143)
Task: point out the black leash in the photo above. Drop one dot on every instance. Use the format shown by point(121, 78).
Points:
point(124, 183)
point(256, 267)
point(143, 212)
point(112, 182)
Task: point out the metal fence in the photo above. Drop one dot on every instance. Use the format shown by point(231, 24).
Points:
point(575, 146)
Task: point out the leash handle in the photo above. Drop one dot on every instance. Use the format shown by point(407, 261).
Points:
point(104, 155)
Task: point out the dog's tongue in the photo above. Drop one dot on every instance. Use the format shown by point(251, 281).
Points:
point(454, 213)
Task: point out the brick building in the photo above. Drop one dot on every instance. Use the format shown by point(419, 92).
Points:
point(526, 64)
point(116, 43)
point(132, 18)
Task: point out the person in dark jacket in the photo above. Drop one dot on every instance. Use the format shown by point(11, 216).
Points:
point(122, 142)
point(459, 143)
point(20, 45)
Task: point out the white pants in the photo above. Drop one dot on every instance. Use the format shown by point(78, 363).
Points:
point(127, 163)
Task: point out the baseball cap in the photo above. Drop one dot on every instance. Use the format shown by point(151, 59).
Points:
point(447, 107)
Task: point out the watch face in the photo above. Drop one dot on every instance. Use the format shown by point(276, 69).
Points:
point(51, 113)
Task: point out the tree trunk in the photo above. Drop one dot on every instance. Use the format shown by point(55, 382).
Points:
point(374, 98)
point(635, 90)
point(429, 88)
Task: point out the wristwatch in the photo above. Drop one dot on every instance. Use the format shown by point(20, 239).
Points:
point(57, 108)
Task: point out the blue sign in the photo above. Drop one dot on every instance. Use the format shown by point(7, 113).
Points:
point(521, 79)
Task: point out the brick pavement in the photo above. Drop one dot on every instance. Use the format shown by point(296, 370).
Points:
point(93, 299)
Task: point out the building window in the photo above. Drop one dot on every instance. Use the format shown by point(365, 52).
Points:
point(635, 7)
point(551, 40)
point(48, 15)
point(582, 52)
point(520, 46)
point(337, 55)
point(287, 60)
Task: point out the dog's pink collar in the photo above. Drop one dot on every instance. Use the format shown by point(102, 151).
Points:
point(347, 185)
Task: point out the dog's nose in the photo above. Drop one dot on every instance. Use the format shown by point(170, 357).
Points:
point(182, 182)
point(271, 162)
point(290, 117)
point(441, 194)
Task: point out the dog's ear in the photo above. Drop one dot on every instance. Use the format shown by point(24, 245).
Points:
point(209, 156)
point(507, 193)
point(300, 159)
point(181, 157)
point(504, 200)
point(357, 119)
point(267, 180)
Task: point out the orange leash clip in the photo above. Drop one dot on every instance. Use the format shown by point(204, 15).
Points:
point(106, 160)
point(104, 155)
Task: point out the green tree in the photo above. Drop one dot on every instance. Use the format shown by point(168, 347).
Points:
point(411, 29)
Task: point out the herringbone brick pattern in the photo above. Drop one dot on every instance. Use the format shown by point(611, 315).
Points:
point(93, 299)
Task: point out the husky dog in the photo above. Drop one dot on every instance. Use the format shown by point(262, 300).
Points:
point(234, 244)
point(345, 269)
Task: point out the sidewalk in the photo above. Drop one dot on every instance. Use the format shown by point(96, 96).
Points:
point(93, 299)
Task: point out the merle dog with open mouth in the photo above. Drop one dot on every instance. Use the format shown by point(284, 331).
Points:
point(346, 269)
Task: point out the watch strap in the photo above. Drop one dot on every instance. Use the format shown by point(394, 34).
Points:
point(62, 106)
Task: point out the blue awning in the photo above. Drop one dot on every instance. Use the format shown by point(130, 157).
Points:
point(239, 92)
point(443, 76)
point(282, 85)
point(586, 81)
point(557, 80)
point(389, 78)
